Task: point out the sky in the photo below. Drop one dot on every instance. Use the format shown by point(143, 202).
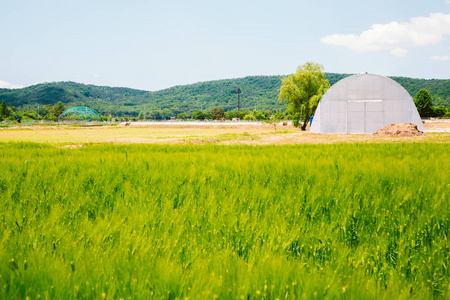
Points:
point(153, 45)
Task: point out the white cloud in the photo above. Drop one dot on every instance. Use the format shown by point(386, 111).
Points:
point(441, 58)
point(399, 52)
point(7, 85)
point(395, 36)
point(447, 1)
point(98, 75)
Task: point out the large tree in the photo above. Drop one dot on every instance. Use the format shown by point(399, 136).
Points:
point(201, 115)
point(424, 103)
point(303, 90)
point(58, 109)
point(4, 111)
point(217, 113)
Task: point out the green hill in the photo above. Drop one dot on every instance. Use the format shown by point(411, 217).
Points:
point(257, 91)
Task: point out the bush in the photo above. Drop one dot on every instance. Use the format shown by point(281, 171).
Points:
point(440, 111)
point(50, 117)
point(296, 120)
point(261, 115)
point(280, 116)
point(201, 115)
point(183, 116)
point(250, 117)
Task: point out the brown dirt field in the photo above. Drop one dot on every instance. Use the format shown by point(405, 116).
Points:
point(436, 125)
point(73, 137)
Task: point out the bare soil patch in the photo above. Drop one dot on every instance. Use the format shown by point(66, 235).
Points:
point(437, 126)
point(231, 134)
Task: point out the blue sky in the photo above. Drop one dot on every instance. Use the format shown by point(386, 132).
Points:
point(152, 45)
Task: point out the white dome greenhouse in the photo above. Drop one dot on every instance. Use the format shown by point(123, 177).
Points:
point(363, 104)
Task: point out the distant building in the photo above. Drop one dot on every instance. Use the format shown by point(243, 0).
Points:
point(363, 104)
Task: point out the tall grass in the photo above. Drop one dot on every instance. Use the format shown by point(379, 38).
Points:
point(204, 222)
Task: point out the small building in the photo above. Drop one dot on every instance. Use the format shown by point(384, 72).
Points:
point(363, 104)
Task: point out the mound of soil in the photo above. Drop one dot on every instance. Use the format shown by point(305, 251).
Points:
point(402, 129)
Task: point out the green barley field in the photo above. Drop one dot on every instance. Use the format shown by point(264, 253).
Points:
point(339, 221)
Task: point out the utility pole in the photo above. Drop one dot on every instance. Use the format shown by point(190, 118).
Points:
point(239, 99)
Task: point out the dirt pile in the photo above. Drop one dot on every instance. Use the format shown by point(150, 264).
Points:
point(402, 129)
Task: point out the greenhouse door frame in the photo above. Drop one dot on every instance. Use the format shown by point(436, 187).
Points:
point(364, 116)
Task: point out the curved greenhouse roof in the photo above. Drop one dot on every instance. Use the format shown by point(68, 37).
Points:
point(363, 104)
point(81, 112)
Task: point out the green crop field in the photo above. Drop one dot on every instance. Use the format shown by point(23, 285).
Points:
point(357, 220)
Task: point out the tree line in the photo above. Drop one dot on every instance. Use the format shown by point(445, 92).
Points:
point(258, 93)
point(298, 98)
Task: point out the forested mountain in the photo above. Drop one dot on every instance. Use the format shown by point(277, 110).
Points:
point(438, 88)
point(260, 92)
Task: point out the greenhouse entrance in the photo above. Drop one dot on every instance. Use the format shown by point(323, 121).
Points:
point(364, 116)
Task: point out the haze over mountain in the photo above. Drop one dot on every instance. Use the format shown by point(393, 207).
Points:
point(260, 92)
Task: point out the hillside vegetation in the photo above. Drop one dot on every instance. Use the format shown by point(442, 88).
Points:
point(260, 92)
